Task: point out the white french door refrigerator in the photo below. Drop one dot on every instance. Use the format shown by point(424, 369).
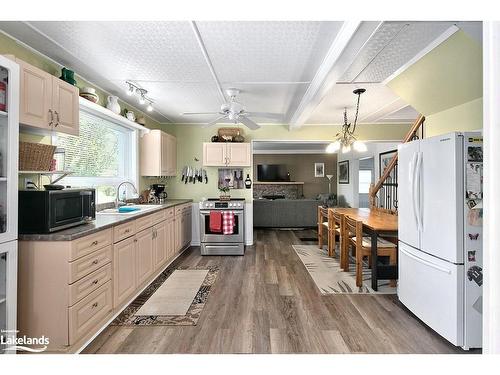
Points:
point(440, 234)
point(9, 125)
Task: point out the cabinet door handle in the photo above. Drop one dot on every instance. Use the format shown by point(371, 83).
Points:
point(95, 261)
point(95, 305)
point(135, 239)
point(127, 230)
point(51, 117)
point(57, 118)
point(95, 281)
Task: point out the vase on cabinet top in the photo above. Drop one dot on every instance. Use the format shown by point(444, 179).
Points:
point(113, 104)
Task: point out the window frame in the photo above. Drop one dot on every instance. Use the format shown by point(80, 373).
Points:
point(132, 156)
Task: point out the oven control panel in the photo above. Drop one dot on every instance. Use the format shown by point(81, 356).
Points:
point(221, 205)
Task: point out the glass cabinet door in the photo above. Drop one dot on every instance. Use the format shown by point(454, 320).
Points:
point(3, 296)
point(4, 147)
point(9, 124)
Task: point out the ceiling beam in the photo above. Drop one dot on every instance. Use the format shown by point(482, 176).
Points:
point(208, 61)
point(349, 41)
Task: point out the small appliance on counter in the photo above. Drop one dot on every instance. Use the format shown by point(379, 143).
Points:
point(159, 192)
point(222, 227)
point(47, 211)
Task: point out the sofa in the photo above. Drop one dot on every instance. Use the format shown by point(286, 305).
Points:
point(285, 213)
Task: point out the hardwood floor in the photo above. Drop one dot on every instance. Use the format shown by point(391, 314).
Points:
point(266, 302)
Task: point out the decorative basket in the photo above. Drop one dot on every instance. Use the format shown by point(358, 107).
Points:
point(35, 156)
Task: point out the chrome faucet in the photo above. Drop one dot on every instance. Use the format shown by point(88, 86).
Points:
point(118, 203)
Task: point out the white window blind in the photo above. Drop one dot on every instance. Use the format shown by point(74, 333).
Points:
point(102, 156)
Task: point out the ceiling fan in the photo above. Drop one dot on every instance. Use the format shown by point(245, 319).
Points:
point(235, 112)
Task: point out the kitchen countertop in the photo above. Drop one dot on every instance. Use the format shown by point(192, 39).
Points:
point(101, 222)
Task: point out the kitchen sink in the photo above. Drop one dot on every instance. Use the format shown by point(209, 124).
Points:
point(138, 209)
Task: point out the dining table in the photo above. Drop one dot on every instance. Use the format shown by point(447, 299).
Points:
point(375, 223)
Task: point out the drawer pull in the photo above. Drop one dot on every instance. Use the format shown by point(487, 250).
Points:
point(95, 305)
point(135, 239)
point(95, 281)
point(95, 261)
point(127, 231)
point(95, 243)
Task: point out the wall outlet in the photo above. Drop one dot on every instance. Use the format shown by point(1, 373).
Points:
point(29, 184)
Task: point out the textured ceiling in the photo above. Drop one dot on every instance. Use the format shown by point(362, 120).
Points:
point(272, 63)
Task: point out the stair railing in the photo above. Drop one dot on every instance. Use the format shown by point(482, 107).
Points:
point(387, 184)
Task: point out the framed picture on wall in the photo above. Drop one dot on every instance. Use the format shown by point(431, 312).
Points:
point(319, 169)
point(384, 159)
point(344, 172)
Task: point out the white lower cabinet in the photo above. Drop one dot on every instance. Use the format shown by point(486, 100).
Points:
point(124, 270)
point(144, 256)
point(68, 290)
point(160, 244)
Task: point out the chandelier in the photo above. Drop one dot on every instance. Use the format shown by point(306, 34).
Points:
point(346, 139)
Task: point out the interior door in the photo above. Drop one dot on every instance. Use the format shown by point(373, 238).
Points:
point(65, 106)
point(433, 290)
point(144, 255)
point(441, 191)
point(408, 231)
point(124, 270)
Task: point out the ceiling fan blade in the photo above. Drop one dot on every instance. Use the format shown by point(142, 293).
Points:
point(215, 121)
point(248, 123)
point(276, 116)
point(199, 113)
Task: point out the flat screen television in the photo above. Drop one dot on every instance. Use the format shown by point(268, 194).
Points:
point(272, 172)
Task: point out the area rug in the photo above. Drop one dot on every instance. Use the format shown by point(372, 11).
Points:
point(326, 274)
point(148, 310)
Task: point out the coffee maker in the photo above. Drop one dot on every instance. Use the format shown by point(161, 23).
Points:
point(159, 192)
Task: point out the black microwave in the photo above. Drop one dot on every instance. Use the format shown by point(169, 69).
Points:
point(47, 211)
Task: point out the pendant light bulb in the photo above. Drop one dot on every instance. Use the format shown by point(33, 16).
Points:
point(130, 90)
point(150, 107)
point(332, 147)
point(142, 100)
point(346, 149)
point(359, 146)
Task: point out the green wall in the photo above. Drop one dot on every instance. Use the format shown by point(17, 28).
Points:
point(190, 140)
point(446, 86)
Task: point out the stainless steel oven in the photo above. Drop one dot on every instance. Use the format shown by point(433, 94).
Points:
point(47, 211)
point(217, 243)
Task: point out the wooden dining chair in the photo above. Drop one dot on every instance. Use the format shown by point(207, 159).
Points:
point(322, 225)
point(362, 245)
point(334, 231)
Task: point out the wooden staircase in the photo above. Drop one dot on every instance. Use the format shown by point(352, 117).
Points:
point(386, 176)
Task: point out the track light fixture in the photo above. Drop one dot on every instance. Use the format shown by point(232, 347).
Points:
point(141, 93)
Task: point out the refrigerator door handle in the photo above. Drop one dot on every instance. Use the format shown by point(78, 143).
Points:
point(412, 187)
point(423, 261)
point(416, 195)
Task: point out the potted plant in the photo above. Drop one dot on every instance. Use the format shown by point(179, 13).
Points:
point(224, 193)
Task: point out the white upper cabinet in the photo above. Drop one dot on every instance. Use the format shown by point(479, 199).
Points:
point(226, 154)
point(158, 154)
point(47, 102)
point(65, 106)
